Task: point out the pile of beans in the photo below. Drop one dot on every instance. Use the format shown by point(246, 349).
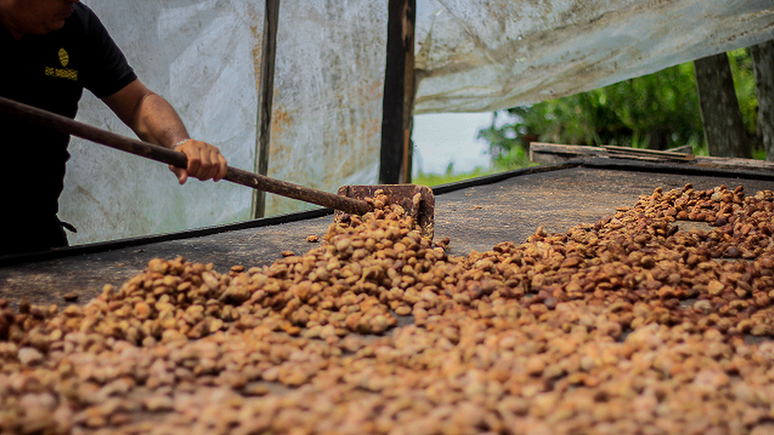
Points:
point(630, 325)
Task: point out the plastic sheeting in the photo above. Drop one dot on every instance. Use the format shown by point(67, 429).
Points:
point(473, 55)
point(327, 111)
point(484, 55)
point(199, 56)
point(204, 58)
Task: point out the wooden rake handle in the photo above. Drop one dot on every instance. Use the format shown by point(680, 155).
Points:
point(175, 158)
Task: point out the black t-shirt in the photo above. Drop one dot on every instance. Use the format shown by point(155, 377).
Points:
point(50, 71)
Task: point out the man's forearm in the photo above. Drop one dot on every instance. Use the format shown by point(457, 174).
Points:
point(149, 115)
point(156, 121)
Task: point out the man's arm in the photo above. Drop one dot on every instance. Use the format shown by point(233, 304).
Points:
point(154, 120)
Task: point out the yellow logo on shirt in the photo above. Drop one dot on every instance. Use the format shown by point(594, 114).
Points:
point(64, 73)
point(64, 58)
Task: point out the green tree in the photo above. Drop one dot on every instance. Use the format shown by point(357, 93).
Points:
point(657, 111)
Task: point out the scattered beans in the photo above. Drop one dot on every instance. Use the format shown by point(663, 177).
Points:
point(628, 325)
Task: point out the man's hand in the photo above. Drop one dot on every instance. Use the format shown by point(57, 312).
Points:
point(204, 162)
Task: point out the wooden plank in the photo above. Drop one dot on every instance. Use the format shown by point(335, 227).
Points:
point(684, 149)
point(265, 100)
point(399, 90)
point(734, 163)
point(648, 152)
point(541, 151)
point(549, 153)
point(555, 153)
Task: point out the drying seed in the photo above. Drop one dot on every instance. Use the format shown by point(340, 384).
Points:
point(612, 327)
point(70, 297)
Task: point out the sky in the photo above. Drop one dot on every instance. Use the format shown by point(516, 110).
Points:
point(440, 139)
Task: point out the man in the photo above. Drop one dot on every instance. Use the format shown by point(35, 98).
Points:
point(50, 50)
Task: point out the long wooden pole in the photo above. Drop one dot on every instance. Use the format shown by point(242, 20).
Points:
point(265, 100)
point(34, 115)
point(399, 89)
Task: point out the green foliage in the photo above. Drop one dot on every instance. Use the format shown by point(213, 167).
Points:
point(503, 146)
point(744, 83)
point(448, 177)
point(657, 111)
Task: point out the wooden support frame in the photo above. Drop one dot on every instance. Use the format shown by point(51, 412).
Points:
point(398, 101)
point(399, 89)
point(720, 114)
point(265, 101)
point(553, 154)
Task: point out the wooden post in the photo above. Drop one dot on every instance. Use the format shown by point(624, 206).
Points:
point(763, 67)
point(720, 113)
point(265, 98)
point(399, 89)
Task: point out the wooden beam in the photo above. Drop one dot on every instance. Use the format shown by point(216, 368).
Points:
point(648, 152)
point(399, 90)
point(265, 100)
point(548, 153)
point(763, 68)
point(720, 113)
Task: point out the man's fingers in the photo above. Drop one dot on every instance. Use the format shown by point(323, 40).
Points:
point(222, 168)
point(180, 173)
point(194, 162)
point(204, 160)
point(214, 164)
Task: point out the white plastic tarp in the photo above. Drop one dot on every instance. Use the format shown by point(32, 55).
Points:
point(484, 55)
point(204, 57)
point(472, 55)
